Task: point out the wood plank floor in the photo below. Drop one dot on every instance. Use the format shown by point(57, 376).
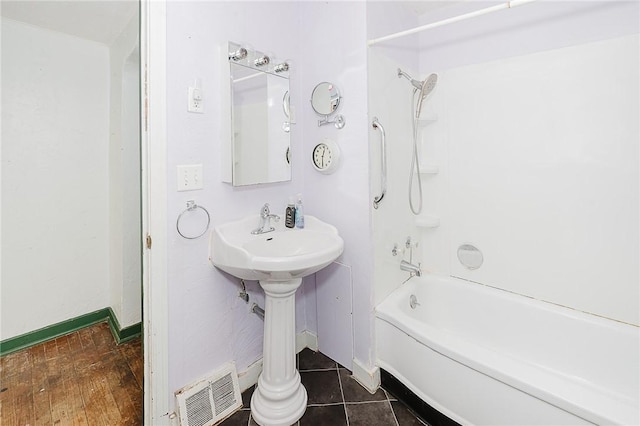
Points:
point(82, 378)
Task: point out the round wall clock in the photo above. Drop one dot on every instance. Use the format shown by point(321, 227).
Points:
point(326, 156)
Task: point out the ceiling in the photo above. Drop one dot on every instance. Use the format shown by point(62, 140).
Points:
point(104, 20)
point(100, 21)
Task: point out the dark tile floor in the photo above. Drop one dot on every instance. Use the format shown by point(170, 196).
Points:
point(335, 398)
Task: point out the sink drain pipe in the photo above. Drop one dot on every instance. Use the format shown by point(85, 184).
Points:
point(257, 310)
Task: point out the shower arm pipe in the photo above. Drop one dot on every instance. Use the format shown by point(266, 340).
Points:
point(383, 174)
point(491, 9)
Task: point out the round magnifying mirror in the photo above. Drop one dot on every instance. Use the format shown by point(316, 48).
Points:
point(325, 98)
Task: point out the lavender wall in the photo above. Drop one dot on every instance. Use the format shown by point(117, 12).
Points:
point(342, 198)
point(209, 324)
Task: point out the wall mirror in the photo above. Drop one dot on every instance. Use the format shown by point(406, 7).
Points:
point(286, 107)
point(325, 100)
point(260, 123)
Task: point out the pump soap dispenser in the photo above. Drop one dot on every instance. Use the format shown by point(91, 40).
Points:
point(299, 213)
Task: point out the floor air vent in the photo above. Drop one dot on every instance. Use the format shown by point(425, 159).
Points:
point(210, 400)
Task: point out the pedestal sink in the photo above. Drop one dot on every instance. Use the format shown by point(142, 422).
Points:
point(278, 260)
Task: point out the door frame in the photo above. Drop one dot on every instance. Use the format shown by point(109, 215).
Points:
point(154, 196)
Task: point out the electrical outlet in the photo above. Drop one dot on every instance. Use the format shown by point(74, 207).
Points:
point(190, 177)
point(195, 100)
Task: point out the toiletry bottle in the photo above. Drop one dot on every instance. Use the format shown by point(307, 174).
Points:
point(299, 213)
point(290, 214)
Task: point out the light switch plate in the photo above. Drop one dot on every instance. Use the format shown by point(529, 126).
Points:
point(189, 177)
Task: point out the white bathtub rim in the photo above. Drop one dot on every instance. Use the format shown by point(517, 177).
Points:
point(583, 399)
point(562, 400)
point(538, 304)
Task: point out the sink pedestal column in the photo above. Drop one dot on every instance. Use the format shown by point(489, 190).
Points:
point(279, 399)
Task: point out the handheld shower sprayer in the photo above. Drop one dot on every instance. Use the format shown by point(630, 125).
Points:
point(427, 87)
point(423, 88)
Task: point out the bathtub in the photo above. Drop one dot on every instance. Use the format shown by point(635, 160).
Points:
point(485, 356)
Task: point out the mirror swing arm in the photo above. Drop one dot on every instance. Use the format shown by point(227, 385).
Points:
point(339, 121)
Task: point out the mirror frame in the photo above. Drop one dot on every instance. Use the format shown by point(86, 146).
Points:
point(334, 99)
point(234, 57)
point(333, 105)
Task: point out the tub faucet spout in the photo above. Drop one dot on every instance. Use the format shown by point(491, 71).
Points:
point(410, 267)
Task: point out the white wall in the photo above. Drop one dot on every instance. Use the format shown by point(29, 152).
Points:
point(124, 178)
point(544, 174)
point(55, 126)
point(390, 100)
point(531, 28)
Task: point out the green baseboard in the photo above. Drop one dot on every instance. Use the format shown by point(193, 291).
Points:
point(65, 327)
point(123, 334)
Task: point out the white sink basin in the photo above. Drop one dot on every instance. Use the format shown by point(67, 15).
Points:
point(280, 255)
point(278, 259)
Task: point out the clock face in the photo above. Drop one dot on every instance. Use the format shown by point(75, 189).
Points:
point(326, 156)
point(322, 156)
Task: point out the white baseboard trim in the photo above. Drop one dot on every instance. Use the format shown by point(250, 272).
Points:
point(306, 339)
point(368, 378)
point(249, 377)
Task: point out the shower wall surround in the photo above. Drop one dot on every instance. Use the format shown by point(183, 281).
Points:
point(539, 173)
point(544, 174)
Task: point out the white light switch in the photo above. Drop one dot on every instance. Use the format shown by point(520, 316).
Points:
point(189, 177)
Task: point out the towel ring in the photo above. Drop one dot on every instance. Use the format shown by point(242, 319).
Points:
point(191, 206)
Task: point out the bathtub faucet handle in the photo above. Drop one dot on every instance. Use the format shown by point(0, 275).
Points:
point(394, 250)
point(410, 244)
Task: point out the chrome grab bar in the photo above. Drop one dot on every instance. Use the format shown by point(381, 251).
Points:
point(383, 177)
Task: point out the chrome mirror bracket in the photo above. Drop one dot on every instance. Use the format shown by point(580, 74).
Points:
point(339, 121)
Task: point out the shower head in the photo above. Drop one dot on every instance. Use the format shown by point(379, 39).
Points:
point(428, 85)
point(425, 87)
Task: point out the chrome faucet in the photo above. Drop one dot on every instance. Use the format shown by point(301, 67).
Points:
point(410, 267)
point(265, 221)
